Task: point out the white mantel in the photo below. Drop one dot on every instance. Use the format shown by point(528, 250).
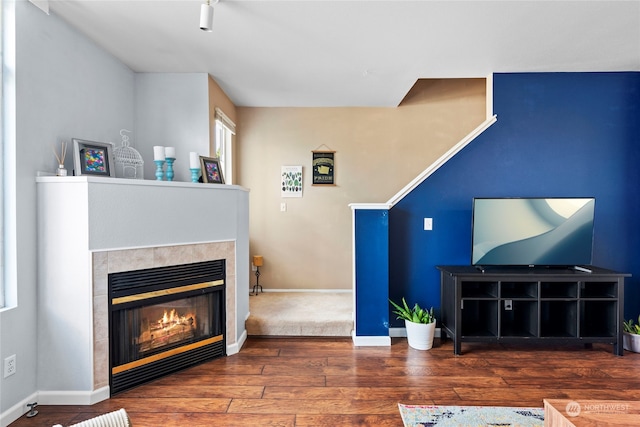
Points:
point(91, 226)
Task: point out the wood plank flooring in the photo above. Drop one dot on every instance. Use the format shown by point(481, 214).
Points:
point(297, 381)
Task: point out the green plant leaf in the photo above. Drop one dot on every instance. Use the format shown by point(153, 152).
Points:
point(416, 314)
point(406, 307)
point(630, 327)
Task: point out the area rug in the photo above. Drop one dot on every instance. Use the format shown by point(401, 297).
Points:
point(470, 416)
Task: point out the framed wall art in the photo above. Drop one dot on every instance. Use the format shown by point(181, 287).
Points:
point(323, 168)
point(211, 170)
point(93, 158)
point(291, 181)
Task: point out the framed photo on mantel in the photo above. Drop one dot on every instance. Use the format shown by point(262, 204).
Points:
point(323, 168)
point(93, 158)
point(211, 170)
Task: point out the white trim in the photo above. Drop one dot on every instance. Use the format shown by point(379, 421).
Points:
point(63, 397)
point(331, 291)
point(371, 206)
point(235, 347)
point(442, 160)
point(225, 120)
point(377, 341)
point(17, 410)
point(489, 96)
point(353, 271)
point(84, 179)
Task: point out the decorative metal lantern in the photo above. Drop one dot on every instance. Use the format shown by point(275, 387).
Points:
point(129, 163)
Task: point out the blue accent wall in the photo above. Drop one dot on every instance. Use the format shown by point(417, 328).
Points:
point(557, 135)
point(372, 272)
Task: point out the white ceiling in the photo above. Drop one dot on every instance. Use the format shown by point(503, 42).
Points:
point(358, 53)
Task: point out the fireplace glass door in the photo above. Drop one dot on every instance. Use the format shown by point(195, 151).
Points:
point(163, 320)
point(157, 328)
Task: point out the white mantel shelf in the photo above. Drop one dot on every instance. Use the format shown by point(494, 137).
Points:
point(85, 220)
point(129, 213)
point(136, 182)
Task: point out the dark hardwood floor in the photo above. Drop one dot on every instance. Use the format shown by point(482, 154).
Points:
point(329, 382)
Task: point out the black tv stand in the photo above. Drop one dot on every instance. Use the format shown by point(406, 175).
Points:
point(533, 305)
point(532, 268)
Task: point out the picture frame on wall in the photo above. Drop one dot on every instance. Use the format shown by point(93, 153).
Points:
point(211, 170)
point(323, 167)
point(93, 158)
point(291, 181)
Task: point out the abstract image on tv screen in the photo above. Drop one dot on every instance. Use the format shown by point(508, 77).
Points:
point(532, 231)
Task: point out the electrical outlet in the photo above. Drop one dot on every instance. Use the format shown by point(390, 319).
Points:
point(10, 365)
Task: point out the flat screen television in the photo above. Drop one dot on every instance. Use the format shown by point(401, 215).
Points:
point(532, 231)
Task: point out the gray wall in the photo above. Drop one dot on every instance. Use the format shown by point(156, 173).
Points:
point(66, 87)
point(172, 110)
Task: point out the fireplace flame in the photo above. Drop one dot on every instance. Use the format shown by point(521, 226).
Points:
point(169, 329)
point(172, 319)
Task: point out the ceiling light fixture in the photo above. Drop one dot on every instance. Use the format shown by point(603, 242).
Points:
point(206, 16)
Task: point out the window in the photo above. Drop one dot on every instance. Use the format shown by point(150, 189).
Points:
point(225, 131)
point(8, 284)
point(2, 139)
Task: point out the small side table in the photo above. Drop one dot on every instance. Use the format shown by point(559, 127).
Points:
point(257, 263)
point(257, 285)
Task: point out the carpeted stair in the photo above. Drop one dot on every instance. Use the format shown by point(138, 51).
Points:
point(300, 314)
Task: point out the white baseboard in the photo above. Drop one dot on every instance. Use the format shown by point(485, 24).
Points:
point(73, 397)
point(332, 291)
point(235, 348)
point(382, 341)
point(368, 341)
point(17, 410)
point(54, 398)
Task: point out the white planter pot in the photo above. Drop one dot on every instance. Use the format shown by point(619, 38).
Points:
point(420, 335)
point(631, 342)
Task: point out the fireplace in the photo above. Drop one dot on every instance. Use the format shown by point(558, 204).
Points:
point(163, 320)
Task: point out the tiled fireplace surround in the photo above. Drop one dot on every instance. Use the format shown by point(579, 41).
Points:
point(115, 261)
point(89, 227)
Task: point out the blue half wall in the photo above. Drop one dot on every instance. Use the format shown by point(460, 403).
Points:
point(557, 135)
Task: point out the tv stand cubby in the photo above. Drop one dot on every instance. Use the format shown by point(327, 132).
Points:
point(532, 305)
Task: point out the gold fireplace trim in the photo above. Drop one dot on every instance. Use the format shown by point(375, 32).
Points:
point(164, 355)
point(172, 291)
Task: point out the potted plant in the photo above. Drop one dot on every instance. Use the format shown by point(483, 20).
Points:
point(631, 336)
point(420, 324)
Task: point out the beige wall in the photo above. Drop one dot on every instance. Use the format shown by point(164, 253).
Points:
point(378, 152)
point(217, 98)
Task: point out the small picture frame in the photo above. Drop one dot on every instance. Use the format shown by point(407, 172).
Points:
point(323, 167)
point(211, 170)
point(93, 158)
